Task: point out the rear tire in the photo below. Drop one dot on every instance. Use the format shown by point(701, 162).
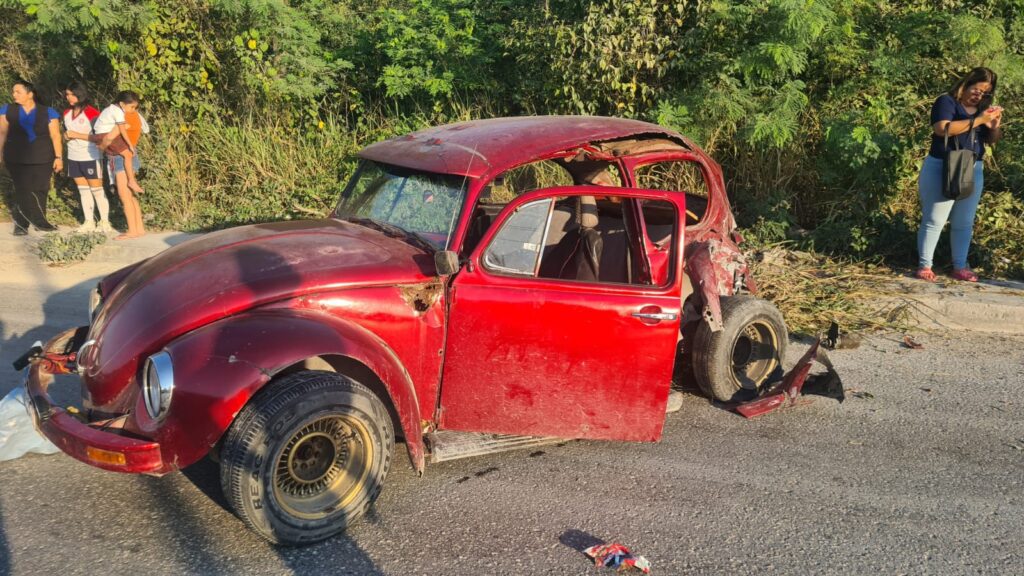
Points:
point(734, 364)
point(307, 457)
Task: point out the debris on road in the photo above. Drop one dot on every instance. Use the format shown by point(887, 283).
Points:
point(909, 342)
point(831, 339)
point(828, 384)
point(617, 556)
point(18, 435)
point(835, 339)
point(792, 384)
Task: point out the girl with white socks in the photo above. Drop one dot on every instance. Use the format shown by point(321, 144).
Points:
point(84, 158)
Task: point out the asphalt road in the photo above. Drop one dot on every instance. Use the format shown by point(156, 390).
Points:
point(919, 471)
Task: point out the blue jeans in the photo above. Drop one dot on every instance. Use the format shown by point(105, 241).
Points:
point(936, 209)
point(117, 166)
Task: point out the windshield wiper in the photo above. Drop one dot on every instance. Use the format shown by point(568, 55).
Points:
point(395, 231)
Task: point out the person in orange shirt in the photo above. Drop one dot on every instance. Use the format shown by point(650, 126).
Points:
point(135, 127)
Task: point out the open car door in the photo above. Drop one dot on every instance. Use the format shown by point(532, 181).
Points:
point(540, 344)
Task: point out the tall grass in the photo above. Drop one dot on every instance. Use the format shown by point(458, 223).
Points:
point(212, 174)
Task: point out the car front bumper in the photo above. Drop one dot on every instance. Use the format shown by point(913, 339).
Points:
point(95, 443)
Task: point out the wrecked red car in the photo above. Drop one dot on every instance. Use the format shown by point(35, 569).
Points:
point(480, 286)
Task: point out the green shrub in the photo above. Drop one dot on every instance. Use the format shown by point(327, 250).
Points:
point(57, 248)
point(999, 235)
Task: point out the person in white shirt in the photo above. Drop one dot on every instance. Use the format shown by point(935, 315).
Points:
point(84, 158)
point(112, 134)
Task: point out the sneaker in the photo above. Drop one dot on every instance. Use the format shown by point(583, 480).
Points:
point(19, 231)
point(46, 227)
point(105, 227)
point(87, 226)
point(675, 402)
point(965, 274)
point(925, 274)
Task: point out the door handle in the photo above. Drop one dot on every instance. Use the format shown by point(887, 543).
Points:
point(655, 315)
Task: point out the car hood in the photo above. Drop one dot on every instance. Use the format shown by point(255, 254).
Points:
point(231, 271)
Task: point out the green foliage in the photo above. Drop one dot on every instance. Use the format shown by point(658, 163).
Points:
point(613, 60)
point(57, 248)
point(999, 237)
point(426, 45)
point(196, 57)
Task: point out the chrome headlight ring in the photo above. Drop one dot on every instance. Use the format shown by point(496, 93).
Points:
point(158, 384)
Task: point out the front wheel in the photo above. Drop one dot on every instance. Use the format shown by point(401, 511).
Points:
point(307, 457)
point(733, 364)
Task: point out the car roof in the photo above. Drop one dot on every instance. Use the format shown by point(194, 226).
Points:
point(477, 147)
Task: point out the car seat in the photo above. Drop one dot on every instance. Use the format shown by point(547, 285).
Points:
point(577, 255)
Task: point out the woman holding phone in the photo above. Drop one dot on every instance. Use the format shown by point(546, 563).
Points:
point(966, 108)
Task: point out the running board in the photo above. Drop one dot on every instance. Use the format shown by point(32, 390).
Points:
point(450, 445)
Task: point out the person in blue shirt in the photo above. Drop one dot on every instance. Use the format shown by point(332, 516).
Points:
point(32, 150)
point(969, 100)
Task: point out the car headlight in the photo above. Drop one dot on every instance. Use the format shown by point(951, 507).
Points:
point(95, 299)
point(158, 384)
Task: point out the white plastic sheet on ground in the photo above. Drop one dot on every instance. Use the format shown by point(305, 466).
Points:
point(18, 436)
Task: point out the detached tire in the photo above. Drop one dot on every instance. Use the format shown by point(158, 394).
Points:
point(307, 457)
point(733, 364)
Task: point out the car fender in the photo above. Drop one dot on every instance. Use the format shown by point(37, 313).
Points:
point(220, 367)
point(717, 268)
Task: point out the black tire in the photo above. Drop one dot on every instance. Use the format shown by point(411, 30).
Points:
point(307, 457)
point(733, 364)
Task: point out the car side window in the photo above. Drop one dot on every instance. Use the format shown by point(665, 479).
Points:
point(585, 239)
point(516, 248)
point(507, 187)
point(677, 176)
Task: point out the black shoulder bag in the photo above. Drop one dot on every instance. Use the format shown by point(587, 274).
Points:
point(958, 167)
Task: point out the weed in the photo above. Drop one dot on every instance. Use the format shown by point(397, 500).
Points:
point(57, 248)
point(813, 291)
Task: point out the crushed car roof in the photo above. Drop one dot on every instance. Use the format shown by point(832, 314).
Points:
point(477, 147)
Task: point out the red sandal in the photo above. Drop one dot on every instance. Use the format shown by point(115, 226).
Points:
point(926, 274)
point(965, 274)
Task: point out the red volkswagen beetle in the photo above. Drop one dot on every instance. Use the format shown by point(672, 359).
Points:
point(480, 286)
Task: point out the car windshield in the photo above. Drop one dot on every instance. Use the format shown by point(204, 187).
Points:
point(421, 204)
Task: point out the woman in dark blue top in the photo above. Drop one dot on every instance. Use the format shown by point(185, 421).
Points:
point(31, 147)
point(970, 99)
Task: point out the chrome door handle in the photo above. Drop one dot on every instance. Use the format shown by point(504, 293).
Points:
point(655, 315)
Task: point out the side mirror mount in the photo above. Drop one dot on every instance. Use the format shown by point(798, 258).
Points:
point(446, 262)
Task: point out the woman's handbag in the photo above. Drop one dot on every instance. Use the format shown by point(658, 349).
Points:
point(958, 167)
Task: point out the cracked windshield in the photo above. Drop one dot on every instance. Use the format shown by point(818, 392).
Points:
point(423, 204)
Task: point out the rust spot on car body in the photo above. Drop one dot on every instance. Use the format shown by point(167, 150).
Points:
point(421, 297)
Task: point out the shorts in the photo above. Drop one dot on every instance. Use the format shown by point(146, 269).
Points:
point(88, 169)
point(117, 164)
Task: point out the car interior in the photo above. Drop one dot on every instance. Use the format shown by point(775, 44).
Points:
point(587, 239)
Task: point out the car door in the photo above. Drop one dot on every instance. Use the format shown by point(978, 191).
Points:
point(539, 356)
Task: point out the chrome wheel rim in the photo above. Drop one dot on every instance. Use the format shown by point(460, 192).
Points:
point(323, 466)
point(754, 355)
